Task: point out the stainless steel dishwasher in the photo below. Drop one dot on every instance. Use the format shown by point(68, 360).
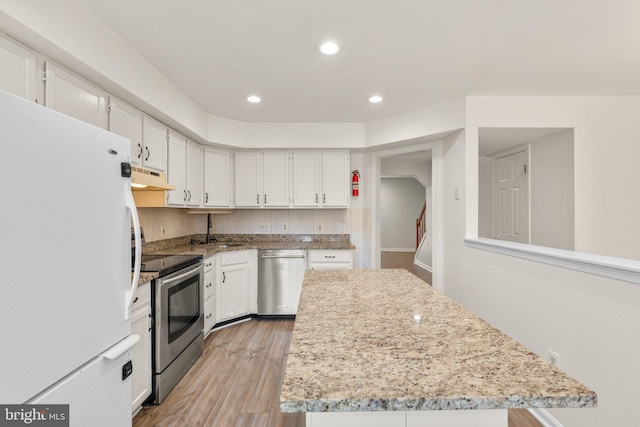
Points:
point(280, 276)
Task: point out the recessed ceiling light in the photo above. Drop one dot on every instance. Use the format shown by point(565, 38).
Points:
point(375, 99)
point(254, 99)
point(328, 47)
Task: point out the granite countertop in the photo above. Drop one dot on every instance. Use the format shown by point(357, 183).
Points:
point(239, 242)
point(383, 340)
point(146, 276)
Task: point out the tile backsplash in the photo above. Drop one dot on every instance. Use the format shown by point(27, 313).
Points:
point(283, 221)
point(176, 223)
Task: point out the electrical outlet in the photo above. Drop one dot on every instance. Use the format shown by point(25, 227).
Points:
point(553, 358)
point(320, 227)
point(264, 228)
point(285, 227)
point(163, 231)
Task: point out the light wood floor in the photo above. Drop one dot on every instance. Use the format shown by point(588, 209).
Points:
point(236, 382)
point(517, 417)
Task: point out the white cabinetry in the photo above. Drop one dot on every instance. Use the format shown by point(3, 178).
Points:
point(74, 97)
point(306, 179)
point(330, 259)
point(154, 138)
point(238, 284)
point(210, 302)
point(184, 171)
point(321, 179)
point(217, 178)
point(335, 179)
point(126, 121)
point(18, 72)
point(141, 323)
point(262, 179)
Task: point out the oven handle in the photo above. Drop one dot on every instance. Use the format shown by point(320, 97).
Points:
point(131, 206)
point(180, 277)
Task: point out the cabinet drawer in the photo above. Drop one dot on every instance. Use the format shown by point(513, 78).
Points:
point(209, 282)
point(235, 257)
point(142, 296)
point(208, 264)
point(209, 314)
point(331, 256)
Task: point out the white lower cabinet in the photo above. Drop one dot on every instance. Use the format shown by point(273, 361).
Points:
point(141, 323)
point(210, 301)
point(237, 284)
point(330, 259)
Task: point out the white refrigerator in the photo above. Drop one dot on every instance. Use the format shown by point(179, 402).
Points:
point(65, 265)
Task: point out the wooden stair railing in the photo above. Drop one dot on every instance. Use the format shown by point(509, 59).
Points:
point(420, 225)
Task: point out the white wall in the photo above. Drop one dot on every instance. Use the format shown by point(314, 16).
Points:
point(401, 200)
point(418, 168)
point(591, 321)
point(551, 175)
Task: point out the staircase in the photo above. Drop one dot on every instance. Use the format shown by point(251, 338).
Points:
point(420, 225)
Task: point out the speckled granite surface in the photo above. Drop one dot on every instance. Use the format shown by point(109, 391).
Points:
point(248, 241)
point(147, 277)
point(369, 340)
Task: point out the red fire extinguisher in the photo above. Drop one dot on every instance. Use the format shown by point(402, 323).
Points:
point(355, 180)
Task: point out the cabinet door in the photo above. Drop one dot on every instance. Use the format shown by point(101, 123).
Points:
point(306, 182)
point(335, 179)
point(234, 291)
point(141, 357)
point(275, 167)
point(154, 138)
point(194, 173)
point(126, 121)
point(217, 178)
point(18, 71)
point(248, 188)
point(74, 97)
point(176, 172)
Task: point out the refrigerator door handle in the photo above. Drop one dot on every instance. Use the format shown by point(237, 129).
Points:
point(131, 206)
point(117, 350)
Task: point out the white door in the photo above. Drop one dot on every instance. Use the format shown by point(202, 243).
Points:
point(512, 198)
point(176, 172)
point(126, 121)
point(276, 178)
point(306, 179)
point(154, 138)
point(248, 187)
point(217, 176)
point(74, 97)
point(18, 71)
point(194, 173)
point(335, 179)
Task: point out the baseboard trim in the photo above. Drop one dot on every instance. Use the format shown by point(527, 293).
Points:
point(544, 417)
point(423, 266)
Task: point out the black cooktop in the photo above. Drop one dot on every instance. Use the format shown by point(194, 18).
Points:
point(167, 264)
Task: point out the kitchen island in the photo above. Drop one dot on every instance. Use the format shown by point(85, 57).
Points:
point(381, 347)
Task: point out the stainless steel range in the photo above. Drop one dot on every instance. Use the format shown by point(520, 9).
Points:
point(178, 309)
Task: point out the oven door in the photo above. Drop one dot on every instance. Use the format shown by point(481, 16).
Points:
point(179, 312)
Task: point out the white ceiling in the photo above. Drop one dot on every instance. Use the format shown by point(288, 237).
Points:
point(412, 52)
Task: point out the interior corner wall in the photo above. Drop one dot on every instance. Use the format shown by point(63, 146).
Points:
point(589, 320)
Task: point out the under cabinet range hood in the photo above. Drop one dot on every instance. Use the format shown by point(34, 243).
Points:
point(148, 180)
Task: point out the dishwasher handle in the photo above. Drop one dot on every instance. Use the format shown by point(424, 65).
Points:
point(282, 256)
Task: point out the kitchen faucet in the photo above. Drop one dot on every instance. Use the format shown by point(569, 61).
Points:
point(209, 238)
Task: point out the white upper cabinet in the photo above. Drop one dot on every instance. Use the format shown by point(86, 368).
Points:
point(154, 141)
point(74, 97)
point(217, 178)
point(177, 169)
point(18, 70)
point(248, 186)
point(262, 179)
point(275, 172)
point(126, 121)
point(335, 179)
point(306, 179)
point(194, 173)
point(184, 170)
